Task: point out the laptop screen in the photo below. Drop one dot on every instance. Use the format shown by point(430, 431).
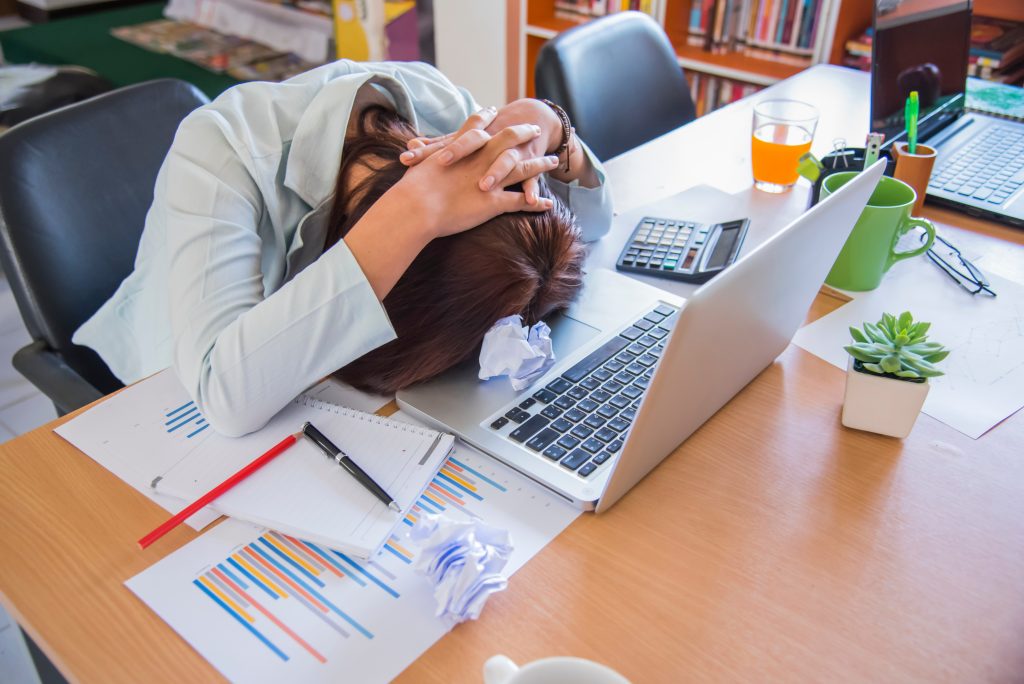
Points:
point(919, 45)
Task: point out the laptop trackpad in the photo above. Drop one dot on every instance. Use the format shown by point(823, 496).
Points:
point(568, 334)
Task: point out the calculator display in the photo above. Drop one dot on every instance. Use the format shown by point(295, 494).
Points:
point(724, 246)
point(682, 250)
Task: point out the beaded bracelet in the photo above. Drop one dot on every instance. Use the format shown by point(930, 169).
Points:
point(563, 147)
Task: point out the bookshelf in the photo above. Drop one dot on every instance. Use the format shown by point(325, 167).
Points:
point(982, 62)
point(841, 20)
point(1001, 9)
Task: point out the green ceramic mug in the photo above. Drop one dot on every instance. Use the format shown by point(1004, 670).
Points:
point(870, 251)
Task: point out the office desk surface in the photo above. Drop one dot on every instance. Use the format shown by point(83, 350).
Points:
point(772, 545)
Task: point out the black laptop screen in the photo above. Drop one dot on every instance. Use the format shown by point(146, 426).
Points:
point(919, 45)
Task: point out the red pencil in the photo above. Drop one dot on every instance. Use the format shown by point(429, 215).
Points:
point(224, 486)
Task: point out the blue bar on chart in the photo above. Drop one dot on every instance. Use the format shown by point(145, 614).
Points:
point(250, 585)
point(186, 414)
point(454, 486)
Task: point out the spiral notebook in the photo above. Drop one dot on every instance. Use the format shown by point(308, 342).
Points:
point(154, 437)
point(303, 494)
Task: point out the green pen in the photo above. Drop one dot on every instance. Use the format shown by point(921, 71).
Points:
point(910, 113)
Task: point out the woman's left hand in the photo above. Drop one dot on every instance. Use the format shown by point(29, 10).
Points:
point(480, 127)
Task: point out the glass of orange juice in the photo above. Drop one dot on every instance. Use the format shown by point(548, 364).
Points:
point(782, 132)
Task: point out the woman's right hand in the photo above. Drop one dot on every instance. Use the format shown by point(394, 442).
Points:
point(436, 198)
point(490, 121)
point(448, 195)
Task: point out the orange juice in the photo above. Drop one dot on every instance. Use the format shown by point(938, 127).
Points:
point(776, 150)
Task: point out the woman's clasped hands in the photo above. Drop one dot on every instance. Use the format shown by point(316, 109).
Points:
point(465, 178)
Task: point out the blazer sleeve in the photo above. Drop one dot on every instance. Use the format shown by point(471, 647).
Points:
point(243, 353)
point(592, 206)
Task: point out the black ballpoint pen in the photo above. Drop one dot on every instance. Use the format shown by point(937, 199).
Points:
point(341, 458)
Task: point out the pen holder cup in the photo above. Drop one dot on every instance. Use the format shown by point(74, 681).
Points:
point(833, 163)
point(914, 169)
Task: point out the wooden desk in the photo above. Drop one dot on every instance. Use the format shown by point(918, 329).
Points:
point(774, 545)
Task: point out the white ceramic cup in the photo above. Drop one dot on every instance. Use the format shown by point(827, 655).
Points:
point(562, 670)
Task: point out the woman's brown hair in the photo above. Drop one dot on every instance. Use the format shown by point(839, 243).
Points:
point(522, 263)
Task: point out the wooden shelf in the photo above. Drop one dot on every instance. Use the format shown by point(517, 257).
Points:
point(735, 65)
point(1001, 9)
point(732, 65)
point(545, 24)
point(533, 45)
point(854, 16)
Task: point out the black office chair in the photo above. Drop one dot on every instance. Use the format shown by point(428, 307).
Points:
point(618, 79)
point(67, 84)
point(75, 185)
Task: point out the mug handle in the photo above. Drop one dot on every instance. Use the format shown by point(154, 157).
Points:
point(916, 223)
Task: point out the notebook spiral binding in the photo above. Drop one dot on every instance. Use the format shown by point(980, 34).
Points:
point(312, 402)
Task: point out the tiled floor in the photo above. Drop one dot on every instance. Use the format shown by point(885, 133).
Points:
point(22, 408)
point(15, 663)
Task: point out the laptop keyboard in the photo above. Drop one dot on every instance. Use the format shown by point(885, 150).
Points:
point(989, 168)
point(580, 420)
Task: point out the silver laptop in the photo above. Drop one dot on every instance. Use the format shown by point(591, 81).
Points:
point(639, 369)
point(979, 167)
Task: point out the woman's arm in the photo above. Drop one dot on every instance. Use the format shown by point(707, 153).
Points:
point(243, 353)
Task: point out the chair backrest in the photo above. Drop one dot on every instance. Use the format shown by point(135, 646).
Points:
point(75, 186)
point(618, 79)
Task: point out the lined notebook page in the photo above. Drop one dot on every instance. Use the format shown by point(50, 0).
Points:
point(304, 494)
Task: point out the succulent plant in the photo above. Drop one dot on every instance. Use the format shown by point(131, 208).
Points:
point(897, 347)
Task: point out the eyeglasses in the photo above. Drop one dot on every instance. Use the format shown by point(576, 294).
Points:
point(947, 257)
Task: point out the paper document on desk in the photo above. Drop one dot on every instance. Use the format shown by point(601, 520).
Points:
point(265, 607)
point(105, 435)
point(153, 430)
point(303, 493)
point(984, 373)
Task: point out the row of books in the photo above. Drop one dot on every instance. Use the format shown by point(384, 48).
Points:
point(996, 52)
point(581, 10)
point(764, 28)
point(997, 49)
point(711, 92)
point(858, 50)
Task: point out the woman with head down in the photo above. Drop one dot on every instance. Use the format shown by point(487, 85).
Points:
point(363, 218)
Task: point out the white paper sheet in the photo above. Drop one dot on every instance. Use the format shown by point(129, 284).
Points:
point(302, 492)
point(984, 375)
point(99, 433)
point(125, 434)
point(366, 625)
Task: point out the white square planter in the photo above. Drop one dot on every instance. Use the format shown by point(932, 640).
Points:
point(883, 405)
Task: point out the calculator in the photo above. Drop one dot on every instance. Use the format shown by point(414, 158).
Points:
point(682, 250)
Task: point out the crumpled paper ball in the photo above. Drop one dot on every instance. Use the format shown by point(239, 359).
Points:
point(523, 354)
point(463, 560)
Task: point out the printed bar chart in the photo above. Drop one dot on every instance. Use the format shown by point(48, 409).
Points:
point(263, 606)
point(284, 568)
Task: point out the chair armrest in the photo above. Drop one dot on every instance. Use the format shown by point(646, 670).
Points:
point(54, 377)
